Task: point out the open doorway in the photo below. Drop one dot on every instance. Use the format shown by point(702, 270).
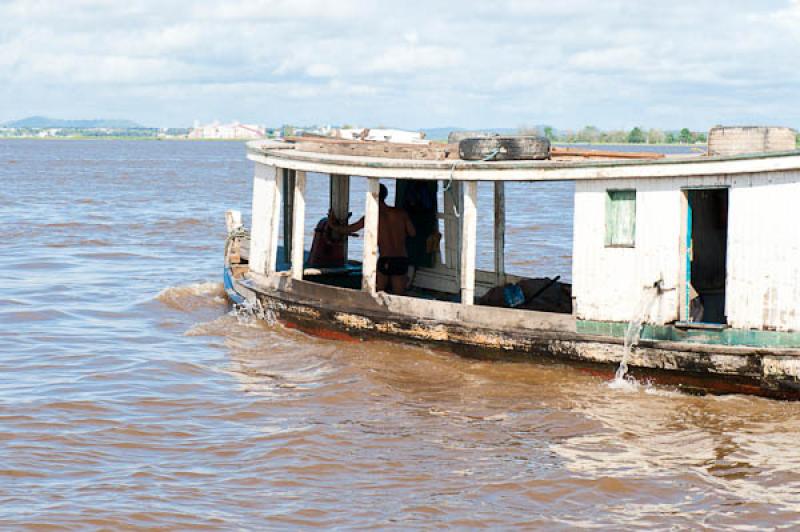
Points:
point(706, 254)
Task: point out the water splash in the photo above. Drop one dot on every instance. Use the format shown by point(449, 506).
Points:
point(255, 310)
point(633, 334)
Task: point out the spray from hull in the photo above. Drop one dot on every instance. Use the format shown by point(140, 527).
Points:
point(634, 331)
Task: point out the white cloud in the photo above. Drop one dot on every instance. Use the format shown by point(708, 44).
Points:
point(233, 10)
point(412, 58)
point(610, 59)
point(416, 63)
point(321, 70)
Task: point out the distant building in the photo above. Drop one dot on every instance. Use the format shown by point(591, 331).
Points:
point(377, 134)
point(233, 130)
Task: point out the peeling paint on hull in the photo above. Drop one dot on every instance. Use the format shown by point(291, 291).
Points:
point(748, 372)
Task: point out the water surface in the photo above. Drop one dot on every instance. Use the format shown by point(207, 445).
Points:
point(131, 397)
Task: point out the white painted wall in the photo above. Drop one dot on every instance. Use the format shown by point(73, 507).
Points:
point(763, 285)
point(764, 252)
point(608, 282)
point(260, 230)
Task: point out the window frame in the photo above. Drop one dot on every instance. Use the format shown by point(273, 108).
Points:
point(612, 211)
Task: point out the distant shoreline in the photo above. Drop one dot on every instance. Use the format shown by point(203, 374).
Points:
point(110, 138)
point(699, 146)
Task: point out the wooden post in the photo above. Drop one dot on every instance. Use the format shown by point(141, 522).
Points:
point(500, 232)
point(370, 258)
point(262, 215)
point(340, 200)
point(298, 226)
point(452, 230)
point(288, 201)
point(276, 200)
point(233, 220)
point(469, 228)
point(684, 283)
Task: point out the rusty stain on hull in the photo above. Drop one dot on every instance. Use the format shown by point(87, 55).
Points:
point(690, 370)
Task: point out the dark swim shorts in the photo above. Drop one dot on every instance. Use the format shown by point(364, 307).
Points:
point(393, 265)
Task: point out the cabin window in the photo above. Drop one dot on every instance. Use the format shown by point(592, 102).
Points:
point(621, 218)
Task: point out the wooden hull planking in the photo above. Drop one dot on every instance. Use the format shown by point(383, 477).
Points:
point(692, 368)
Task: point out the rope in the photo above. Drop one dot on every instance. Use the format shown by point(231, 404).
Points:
point(449, 186)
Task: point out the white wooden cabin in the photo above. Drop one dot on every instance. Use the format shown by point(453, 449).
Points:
point(761, 262)
point(719, 231)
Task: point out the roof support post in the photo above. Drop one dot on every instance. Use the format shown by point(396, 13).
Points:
point(370, 259)
point(452, 210)
point(340, 201)
point(500, 232)
point(275, 220)
point(469, 228)
point(298, 217)
point(262, 224)
point(288, 207)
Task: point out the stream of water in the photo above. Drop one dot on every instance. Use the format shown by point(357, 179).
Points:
point(632, 335)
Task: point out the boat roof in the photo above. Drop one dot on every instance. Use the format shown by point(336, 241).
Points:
point(303, 157)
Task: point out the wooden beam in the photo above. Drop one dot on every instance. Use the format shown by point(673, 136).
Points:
point(274, 209)
point(577, 170)
point(469, 228)
point(288, 205)
point(500, 232)
point(370, 258)
point(684, 296)
point(452, 208)
point(606, 154)
point(372, 148)
point(340, 200)
point(298, 226)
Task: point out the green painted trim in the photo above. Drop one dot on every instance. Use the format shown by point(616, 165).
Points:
point(731, 337)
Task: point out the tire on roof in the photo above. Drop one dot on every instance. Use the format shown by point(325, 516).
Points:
point(504, 148)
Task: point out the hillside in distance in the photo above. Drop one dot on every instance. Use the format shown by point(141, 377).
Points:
point(42, 122)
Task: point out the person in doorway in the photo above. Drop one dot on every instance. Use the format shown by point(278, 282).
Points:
point(394, 227)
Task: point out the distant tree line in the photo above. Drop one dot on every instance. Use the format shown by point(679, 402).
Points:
point(92, 132)
point(637, 135)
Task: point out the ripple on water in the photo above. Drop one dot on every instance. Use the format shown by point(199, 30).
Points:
point(131, 396)
point(190, 297)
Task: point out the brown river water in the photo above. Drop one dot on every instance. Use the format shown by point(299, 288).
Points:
point(132, 397)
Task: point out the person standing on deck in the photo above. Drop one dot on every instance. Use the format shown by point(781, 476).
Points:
point(394, 226)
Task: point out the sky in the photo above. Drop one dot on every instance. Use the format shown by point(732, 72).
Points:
point(470, 63)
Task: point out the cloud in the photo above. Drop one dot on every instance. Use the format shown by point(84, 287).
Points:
point(470, 63)
point(412, 58)
point(321, 70)
point(610, 59)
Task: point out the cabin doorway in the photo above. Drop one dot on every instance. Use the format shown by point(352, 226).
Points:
point(706, 254)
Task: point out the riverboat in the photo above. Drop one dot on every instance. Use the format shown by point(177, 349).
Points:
point(696, 255)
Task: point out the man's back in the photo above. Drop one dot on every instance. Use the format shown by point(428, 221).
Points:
point(394, 225)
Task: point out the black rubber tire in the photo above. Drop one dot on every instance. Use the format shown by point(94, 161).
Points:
point(504, 148)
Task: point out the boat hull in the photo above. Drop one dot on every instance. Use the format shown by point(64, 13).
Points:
point(695, 368)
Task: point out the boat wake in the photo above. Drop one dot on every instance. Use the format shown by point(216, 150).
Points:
point(194, 296)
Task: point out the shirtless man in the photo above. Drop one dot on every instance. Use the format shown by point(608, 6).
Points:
point(394, 226)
